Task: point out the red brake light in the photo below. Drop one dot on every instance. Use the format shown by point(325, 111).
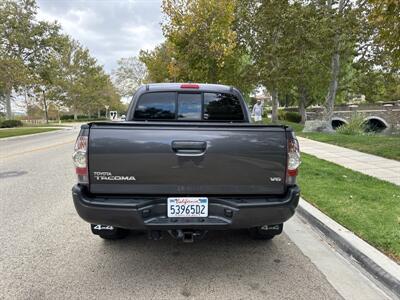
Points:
point(189, 86)
point(80, 159)
point(81, 171)
point(293, 161)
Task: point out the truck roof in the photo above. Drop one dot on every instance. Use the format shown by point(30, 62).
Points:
point(175, 86)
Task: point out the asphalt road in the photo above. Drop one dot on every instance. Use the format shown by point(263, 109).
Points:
point(47, 251)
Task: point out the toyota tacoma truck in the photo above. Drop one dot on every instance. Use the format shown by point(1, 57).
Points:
point(186, 160)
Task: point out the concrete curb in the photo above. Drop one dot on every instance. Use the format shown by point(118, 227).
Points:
point(381, 267)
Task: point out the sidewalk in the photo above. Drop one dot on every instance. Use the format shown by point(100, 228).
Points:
point(375, 166)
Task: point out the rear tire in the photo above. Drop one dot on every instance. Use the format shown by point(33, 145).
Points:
point(118, 234)
point(265, 232)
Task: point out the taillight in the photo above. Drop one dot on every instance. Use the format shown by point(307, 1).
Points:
point(190, 86)
point(293, 160)
point(80, 159)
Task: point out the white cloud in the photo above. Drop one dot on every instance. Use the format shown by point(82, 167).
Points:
point(110, 29)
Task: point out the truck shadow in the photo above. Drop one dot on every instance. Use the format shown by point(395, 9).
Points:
point(220, 253)
point(223, 262)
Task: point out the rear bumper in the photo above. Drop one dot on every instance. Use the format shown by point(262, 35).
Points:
point(150, 213)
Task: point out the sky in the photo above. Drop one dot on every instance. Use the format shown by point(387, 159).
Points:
point(110, 29)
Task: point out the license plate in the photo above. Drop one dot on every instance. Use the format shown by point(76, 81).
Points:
point(184, 207)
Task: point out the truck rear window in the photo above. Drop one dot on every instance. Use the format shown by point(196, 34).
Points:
point(156, 106)
point(189, 106)
point(219, 106)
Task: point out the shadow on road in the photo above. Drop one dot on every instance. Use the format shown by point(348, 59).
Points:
point(226, 264)
point(231, 254)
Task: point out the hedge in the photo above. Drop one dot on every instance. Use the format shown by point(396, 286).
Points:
point(11, 123)
point(290, 116)
point(81, 118)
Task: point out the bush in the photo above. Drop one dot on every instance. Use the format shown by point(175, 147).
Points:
point(281, 115)
point(85, 120)
point(10, 123)
point(67, 117)
point(70, 118)
point(356, 126)
point(290, 116)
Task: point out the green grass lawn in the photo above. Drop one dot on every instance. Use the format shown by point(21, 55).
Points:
point(380, 145)
point(367, 206)
point(46, 125)
point(295, 126)
point(9, 132)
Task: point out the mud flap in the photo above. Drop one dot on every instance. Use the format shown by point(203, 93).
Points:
point(272, 229)
point(103, 229)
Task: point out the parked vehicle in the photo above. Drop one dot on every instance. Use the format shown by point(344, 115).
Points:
point(186, 160)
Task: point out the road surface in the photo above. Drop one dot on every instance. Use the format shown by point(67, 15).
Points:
point(47, 251)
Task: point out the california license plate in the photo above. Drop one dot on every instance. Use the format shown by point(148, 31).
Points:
point(184, 207)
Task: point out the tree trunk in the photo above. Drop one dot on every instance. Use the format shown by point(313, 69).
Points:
point(98, 113)
point(89, 114)
point(7, 96)
point(45, 108)
point(335, 68)
point(275, 105)
point(75, 114)
point(303, 105)
point(26, 104)
point(333, 86)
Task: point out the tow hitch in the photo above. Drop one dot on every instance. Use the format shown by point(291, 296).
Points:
point(187, 236)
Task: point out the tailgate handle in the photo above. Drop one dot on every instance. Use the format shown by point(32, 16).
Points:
point(189, 148)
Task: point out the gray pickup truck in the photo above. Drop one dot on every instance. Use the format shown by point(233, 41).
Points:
point(186, 160)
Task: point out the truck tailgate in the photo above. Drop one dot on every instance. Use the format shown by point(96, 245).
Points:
point(186, 159)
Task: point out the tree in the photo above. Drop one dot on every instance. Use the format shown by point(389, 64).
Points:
point(129, 75)
point(384, 16)
point(160, 63)
point(309, 72)
point(99, 92)
point(51, 69)
point(24, 42)
point(202, 42)
point(45, 77)
point(300, 45)
point(264, 29)
point(77, 68)
point(202, 34)
point(344, 24)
